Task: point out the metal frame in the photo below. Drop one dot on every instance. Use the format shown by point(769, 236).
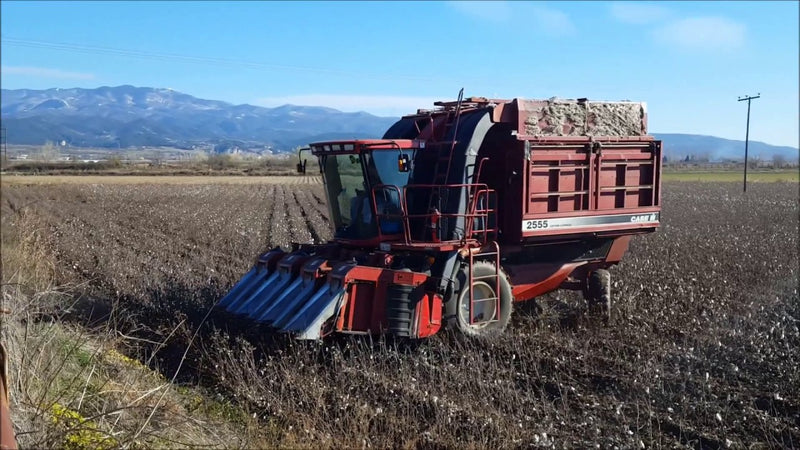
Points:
point(478, 190)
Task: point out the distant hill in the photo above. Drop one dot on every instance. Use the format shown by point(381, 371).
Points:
point(678, 146)
point(128, 116)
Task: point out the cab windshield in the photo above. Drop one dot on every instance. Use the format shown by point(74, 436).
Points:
point(349, 193)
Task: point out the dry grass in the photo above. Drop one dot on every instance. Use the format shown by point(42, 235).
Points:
point(69, 386)
point(159, 163)
point(753, 176)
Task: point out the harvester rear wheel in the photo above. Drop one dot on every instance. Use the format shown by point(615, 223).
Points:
point(485, 287)
point(598, 293)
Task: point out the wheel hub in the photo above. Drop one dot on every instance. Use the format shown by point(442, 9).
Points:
point(484, 308)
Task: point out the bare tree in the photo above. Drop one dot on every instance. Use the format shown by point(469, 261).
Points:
point(754, 162)
point(778, 160)
point(48, 152)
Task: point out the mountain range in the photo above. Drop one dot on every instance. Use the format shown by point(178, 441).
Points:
point(128, 116)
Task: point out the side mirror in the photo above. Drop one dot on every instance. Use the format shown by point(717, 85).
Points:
point(403, 163)
point(300, 168)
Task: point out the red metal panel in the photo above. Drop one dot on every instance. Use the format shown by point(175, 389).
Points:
point(590, 213)
point(428, 315)
point(361, 299)
point(532, 280)
point(558, 179)
point(364, 310)
point(436, 309)
point(618, 248)
point(408, 278)
point(597, 178)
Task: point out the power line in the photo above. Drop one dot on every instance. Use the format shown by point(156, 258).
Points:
point(205, 60)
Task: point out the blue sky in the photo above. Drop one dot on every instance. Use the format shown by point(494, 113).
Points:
point(688, 60)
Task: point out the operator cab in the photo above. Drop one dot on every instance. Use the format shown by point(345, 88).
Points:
point(363, 177)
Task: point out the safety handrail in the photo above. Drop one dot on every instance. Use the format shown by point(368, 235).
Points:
point(477, 191)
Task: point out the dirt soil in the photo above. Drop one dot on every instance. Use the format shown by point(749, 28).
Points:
point(702, 352)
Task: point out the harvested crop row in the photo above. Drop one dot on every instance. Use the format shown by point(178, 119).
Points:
point(298, 225)
point(279, 226)
point(314, 215)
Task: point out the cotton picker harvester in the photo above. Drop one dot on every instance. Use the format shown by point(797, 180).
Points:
point(461, 211)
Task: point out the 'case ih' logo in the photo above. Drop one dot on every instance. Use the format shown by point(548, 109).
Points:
point(644, 218)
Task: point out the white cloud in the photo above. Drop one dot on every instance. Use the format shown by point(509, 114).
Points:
point(382, 105)
point(690, 33)
point(495, 11)
point(533, 16)
point(702, 33)
point(43, 72)
point(536, 16)
point(638, 13)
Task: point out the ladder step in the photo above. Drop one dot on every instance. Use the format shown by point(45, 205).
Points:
point(484, 276)
point(484, 321)
point(484, 254)
point(479, 279)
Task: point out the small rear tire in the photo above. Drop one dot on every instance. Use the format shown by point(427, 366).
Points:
point(485, 286)
point(598, 294)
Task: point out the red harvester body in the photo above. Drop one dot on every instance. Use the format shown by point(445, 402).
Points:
point(459, 211)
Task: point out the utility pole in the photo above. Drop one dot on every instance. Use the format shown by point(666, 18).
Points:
point(747, 134)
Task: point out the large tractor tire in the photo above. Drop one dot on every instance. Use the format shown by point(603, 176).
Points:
point(485, 286)
point(598, 294)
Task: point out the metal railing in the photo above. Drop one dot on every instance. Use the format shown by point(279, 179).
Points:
point(479, 218)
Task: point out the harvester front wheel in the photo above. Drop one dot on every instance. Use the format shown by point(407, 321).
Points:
point(486, 287)
point(598, 293)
